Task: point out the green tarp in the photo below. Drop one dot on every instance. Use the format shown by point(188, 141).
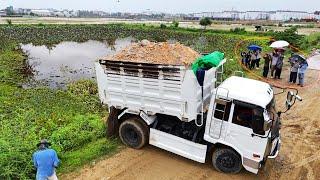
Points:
point(208, 61)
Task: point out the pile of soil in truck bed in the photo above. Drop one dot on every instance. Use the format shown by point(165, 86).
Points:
point(156, 53)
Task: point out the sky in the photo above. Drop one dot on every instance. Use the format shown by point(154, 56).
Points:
point(168, 6)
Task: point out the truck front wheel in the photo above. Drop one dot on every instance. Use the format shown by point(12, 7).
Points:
point(226, 160)
point(134, 133)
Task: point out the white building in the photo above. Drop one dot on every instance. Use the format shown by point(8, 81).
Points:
point(258, 15)
point(42, 12)
point(2, 13)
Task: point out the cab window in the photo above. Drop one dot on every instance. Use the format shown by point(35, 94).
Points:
point(222, 110)
point(242, 116)
point(249, 116)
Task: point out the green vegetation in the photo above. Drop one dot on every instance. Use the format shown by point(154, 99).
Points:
point(238, 30)
point(311, 41)
point(71, 120)
point(205, 22)
point(163, 26)
point(9, 21)
point(290, 35)
point(175, 23)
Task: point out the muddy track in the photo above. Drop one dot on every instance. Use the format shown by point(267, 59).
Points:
point(299, 157)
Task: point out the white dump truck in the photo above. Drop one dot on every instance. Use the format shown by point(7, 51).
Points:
point(232, 123)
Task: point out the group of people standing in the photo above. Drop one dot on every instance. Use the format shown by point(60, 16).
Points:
point(274, 61)
point(251, 59)
point(297, 70)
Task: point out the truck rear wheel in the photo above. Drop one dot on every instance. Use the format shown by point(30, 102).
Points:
point(226, 160)
point(134, 133)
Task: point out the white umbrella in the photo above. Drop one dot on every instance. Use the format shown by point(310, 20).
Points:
point(279, 44)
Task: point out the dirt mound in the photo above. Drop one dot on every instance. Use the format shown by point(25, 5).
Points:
point(156, 53)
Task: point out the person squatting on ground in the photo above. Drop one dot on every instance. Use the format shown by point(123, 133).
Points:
point(302, 69)
point(45, 161)
point(267, 59)
point(294, 62)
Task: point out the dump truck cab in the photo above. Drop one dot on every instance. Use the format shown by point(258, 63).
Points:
point(242, 116)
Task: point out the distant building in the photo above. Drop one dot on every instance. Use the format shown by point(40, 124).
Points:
point(258, 15)
point(3, 13)
point(42, 12)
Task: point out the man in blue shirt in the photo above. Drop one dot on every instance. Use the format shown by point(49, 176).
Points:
point(45, 160)
point(302, 70)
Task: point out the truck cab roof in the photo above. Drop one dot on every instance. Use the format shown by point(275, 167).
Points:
point(246, 90)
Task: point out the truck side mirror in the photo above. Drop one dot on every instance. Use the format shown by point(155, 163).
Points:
point(290, 100)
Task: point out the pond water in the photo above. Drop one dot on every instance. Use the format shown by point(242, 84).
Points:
point(67, 61)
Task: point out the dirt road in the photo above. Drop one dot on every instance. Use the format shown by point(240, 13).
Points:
point(299, 157)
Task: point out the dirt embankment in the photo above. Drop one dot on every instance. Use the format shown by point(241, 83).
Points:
point(299, 157)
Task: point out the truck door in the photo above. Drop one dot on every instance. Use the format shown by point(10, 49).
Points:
point(220, 117)
point(241, 131)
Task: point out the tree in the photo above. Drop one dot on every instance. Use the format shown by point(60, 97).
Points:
point(175, 23)
point(205, 22)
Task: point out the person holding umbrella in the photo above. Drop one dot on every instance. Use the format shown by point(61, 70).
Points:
point(279, 64)
point(294, 62)
point(278, 56)
point(274, 60)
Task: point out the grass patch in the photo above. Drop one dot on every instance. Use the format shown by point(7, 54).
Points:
point(86, 154)
point(71, 119)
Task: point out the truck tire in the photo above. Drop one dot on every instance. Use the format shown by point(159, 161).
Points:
point(113, 123)
point(134, 133)
point(226, 160)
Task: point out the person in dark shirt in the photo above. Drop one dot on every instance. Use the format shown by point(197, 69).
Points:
point(243, 57)
point(267, 60)
point(279, 65)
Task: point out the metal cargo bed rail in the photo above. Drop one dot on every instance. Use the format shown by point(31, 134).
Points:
point(144, 70)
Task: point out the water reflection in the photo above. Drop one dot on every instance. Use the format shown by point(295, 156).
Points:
point(67, 61)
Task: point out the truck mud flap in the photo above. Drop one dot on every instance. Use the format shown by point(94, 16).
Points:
point(113, 123)
point(177, 145)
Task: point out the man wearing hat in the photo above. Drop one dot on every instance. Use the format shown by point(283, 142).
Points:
point(45, 160)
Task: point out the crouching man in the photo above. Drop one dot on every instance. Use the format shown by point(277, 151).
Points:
point(45, 160)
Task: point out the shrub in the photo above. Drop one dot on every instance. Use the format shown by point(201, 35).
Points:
point(238, 30)
point(175, 23)
point(9, 21)
point(83, 87)
point(205, 22)
point(163, 26)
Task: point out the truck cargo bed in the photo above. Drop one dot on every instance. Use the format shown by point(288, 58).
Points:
point(153, 88)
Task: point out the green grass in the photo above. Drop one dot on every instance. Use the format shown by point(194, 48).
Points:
point(99, 148)
point(71, 120)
